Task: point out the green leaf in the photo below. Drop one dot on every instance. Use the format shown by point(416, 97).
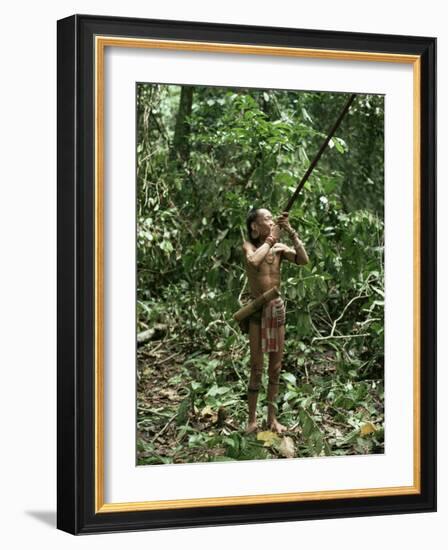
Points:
point(289, 377)
point(339, 145)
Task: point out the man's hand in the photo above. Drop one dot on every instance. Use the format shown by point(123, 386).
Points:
point(283, 222)
point(280, 247)
point(275, 232)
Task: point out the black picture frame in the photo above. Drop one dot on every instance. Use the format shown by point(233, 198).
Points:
point(76, 473)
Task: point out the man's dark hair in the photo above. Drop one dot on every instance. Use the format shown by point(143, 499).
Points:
point(251, 217)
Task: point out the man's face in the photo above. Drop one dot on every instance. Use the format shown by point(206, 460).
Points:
point(264, 223)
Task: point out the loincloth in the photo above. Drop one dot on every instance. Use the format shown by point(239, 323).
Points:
point(270, 317)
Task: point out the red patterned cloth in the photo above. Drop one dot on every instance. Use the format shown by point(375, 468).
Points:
point(273, 316)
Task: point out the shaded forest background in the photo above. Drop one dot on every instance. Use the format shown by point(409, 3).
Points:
point(205, 156)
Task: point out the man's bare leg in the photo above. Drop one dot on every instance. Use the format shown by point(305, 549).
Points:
point(275, 365)
point(256, 370)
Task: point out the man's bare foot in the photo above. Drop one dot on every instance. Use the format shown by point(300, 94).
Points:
point(251, 427)
point(275, 426)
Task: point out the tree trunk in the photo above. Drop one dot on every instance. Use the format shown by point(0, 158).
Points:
point(181, 147)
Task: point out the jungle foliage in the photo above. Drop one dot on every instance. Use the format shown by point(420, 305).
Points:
point(205, 156)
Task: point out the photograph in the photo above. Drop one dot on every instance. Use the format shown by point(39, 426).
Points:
point(246, 263)
point(260, 274)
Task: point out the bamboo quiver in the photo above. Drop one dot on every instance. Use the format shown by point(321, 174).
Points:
point(256, 304)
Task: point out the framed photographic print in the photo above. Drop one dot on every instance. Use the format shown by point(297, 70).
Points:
point(246, 274)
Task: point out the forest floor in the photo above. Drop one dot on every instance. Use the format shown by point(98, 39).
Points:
point(191, 407)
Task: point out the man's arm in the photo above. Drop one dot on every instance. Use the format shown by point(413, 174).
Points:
point(254, 255)
point(298, 254)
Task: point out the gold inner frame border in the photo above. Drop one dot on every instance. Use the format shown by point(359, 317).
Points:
point(101, 42)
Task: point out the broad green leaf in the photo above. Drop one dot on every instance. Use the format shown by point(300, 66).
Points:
point(268, 438)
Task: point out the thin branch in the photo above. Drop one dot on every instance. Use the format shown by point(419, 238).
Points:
point(242, 291)
point(339, 337)
point(158, 434)
point(344, 310)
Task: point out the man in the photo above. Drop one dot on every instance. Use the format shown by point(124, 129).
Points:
point(263, 254)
